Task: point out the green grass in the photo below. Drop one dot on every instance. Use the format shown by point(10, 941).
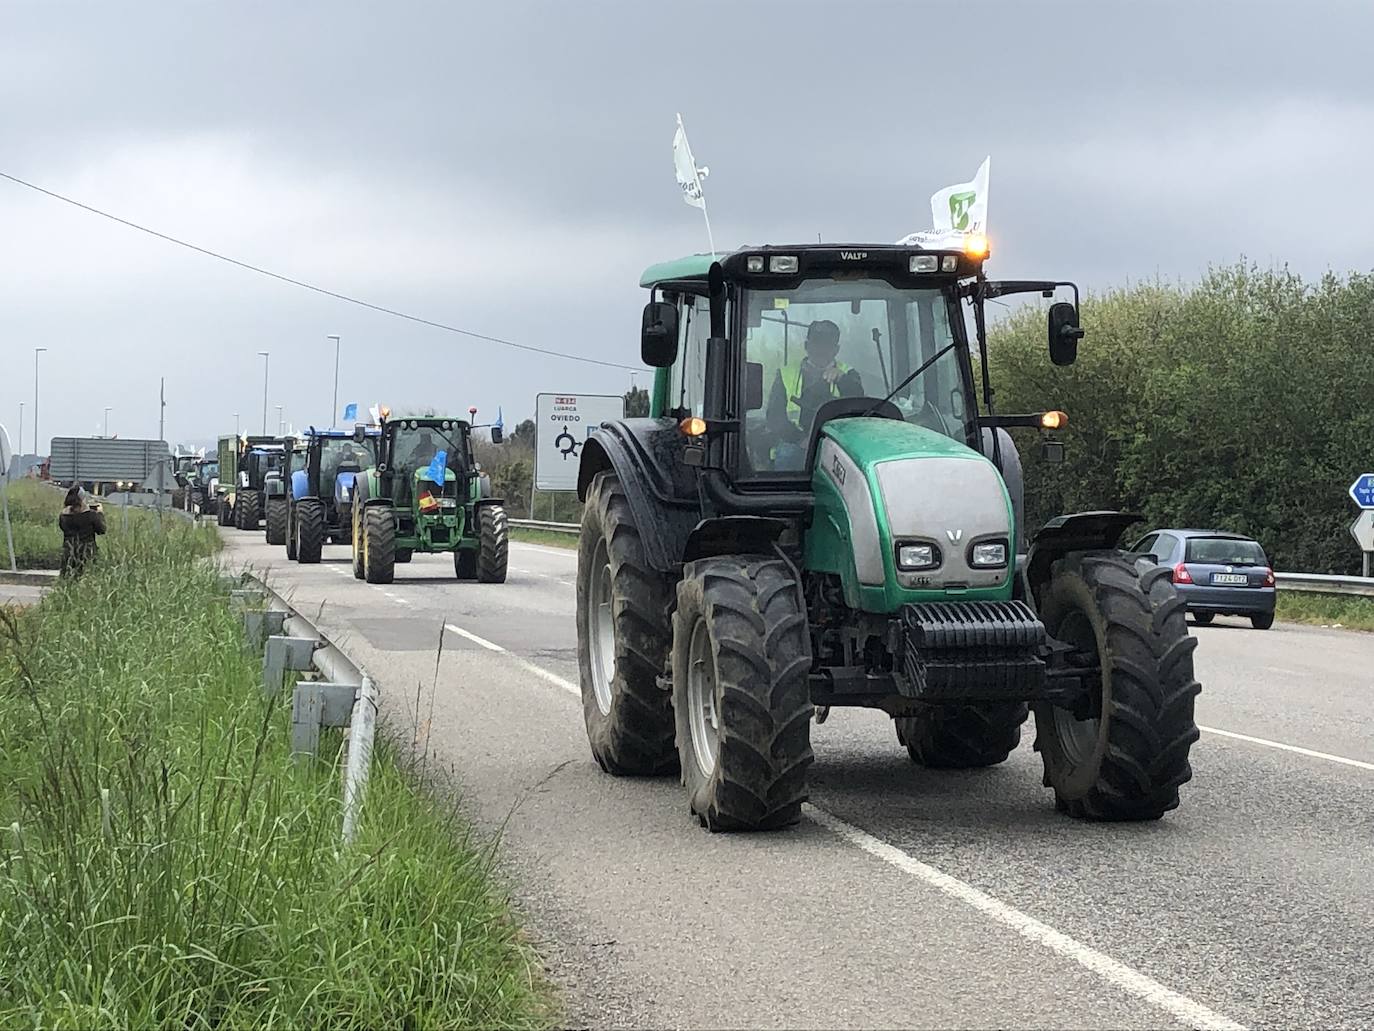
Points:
point(165, 864)
point(1353, 613)
point(34, 508)
point(549, 537)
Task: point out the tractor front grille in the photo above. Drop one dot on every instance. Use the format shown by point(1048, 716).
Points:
point(971, 651)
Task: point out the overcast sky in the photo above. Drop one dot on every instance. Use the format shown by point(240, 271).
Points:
point(506, 167)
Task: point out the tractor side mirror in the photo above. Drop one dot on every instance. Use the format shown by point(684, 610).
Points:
point(753, 386)
point(658, 335)
point(360, 433)
point(496, 435)
point(1064, 333)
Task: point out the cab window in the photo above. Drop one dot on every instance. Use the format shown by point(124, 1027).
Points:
point(687, 382)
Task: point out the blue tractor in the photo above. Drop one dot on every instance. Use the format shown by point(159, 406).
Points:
point(320, 500)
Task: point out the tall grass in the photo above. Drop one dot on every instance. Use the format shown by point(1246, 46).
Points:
point(164, 863)
point(34, 508)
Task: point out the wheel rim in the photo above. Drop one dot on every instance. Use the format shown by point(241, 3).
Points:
point(601, 614)
point(1078, 737)
point(703, 717)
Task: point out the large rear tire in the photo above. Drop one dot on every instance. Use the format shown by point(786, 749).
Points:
point(379, 544)
point(277, 511)
point(310, 530)
point(291, 531)
point(624, 632)
point(494, 552)
point(1129, 760)
point(224, 515)
point(356, 544)
point(246, 507)
point(741, 663)
point(963, 737)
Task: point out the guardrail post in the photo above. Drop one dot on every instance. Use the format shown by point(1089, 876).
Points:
point(316, 704)
point(280, 654)
point(259, 625)
point(360, 733)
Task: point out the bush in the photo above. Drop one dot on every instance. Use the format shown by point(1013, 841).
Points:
point(1226, 405)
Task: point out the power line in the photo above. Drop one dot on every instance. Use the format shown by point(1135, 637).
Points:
point(311, 286)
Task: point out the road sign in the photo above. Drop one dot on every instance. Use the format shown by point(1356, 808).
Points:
point(563, 422)
point(1362, 529)
point(1362, 490)
point(6, 457)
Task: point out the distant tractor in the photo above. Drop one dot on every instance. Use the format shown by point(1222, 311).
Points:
point(318, 508)
point(203, 479)
point(244, 464)
point(817, 513)
point(426, 494)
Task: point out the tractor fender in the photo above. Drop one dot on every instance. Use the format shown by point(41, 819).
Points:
point(733, 535)
point(647, 457)
point(488, 503)
point(1010, 468)
point(1066, 534)
point(300, 484)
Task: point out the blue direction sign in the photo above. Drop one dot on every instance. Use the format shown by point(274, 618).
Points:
point(1362, 490)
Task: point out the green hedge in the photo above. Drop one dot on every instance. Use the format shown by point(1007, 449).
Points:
point(1237, 404)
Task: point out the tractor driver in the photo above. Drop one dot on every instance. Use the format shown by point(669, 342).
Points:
point(799, 390)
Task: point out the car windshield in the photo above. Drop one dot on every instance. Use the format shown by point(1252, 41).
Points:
point(1224, 551)
point(848, 337)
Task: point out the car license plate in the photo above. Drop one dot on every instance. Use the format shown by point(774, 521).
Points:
point(1230, 579)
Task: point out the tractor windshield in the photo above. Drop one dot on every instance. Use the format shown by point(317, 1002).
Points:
point(849, 337)
point(342, 452)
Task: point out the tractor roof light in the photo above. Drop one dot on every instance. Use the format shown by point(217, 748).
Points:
point(976, 245)
point(783, 263)
point(1054, 420)
point(924, 262)
point(754, 263)
point(693, 426)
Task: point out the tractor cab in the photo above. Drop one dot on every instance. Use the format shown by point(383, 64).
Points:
point(824, 508)
point(429, 485)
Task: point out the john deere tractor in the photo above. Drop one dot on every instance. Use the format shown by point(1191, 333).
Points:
point(318, 507)
point(426, 494)
point(818, 512)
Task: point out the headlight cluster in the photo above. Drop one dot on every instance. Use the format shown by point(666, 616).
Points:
point(921, 556)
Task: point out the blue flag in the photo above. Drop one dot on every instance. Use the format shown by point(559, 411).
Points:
point(437, 468)
point(350, 412)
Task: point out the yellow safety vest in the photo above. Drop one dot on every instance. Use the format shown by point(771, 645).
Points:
point(792, 384)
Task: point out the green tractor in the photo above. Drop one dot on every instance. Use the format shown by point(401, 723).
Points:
point(427, 494)
point(817, 513)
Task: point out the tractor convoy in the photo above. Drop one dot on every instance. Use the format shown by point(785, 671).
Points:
point(822, 509)
point(386, 490)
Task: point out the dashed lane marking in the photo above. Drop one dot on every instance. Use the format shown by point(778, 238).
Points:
point(525, 664)
point(1359, 764)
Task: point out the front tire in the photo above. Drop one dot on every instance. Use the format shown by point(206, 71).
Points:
point(403, 555)
point(963, 737)
point(494, 550)
point(741, 664)
point(291, 531)
point(465, 564)
point(310, 530)
point(379, 554)
point(277, 511)
point(247, 508)
point(1128, 762)
point(358, 541)
point(623, 635)
point(223, 513)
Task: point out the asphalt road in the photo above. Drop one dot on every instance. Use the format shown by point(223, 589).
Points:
point(908, 898)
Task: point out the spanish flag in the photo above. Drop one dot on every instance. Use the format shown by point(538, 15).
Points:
point(428, 503)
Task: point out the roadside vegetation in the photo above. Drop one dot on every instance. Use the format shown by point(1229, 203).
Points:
point(34, 508)
point(548, 537)
point(165, 864)
point(1351, 613)
point(1226, 404)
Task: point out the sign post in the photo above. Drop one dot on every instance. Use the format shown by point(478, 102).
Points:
point(5, 459)
point(563, 422)
point(1362, 529)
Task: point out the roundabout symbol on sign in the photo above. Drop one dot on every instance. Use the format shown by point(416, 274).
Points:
point(566, 443)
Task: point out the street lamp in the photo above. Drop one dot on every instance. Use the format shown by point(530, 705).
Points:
point(107, 419)
point(21, 427)
point(334, 412)
point(236, 424)
point(36, 352)
point(266, 357)
point(281, 425)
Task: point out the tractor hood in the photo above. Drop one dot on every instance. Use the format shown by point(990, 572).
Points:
point(881, 484)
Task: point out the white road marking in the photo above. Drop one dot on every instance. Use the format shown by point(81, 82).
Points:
point(565, 552)
point(525, 664)
point(1132, 981)
point(567, 583)
point(1310, 753)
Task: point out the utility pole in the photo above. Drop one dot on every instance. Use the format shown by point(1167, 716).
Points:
point(161, 431)
point(107, 421)
point(266, 358)
point(280, 422)
point(334, 412)
point(36, 352)
point(21, 427)
point(236, 424)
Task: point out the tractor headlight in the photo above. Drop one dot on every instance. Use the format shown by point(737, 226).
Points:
point(924, 262)
point(783, 263)
point(912, 557)
point(988, 555)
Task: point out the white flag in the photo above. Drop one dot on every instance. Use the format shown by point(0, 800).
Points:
point(688, 175)
point(963, 208)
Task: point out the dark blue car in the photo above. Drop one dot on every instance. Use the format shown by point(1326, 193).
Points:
point(1219, 574)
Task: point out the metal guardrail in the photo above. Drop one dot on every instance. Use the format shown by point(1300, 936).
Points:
point(540, 524)
point(1310, 583)
point(346, 696)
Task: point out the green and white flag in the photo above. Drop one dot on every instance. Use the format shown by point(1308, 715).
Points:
point(956, 212)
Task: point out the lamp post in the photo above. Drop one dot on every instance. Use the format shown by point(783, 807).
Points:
point(236, 424)
point(21, 427)
point(36, 352)
point(334, 412)
point(107, 419)
point(280, 423)
point(266, 358)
